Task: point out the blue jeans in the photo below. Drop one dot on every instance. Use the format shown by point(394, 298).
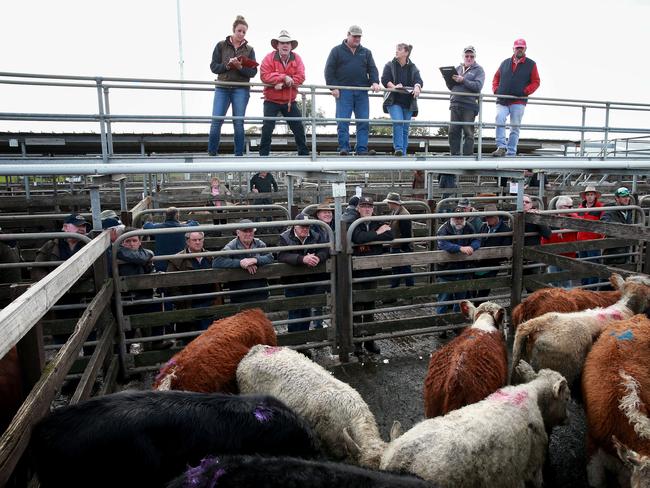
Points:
point(588, 254)
point(444, 296)
point(352, 101)
point(516, 112)
point(408, 281)
point(223, 98)
point(400, 131)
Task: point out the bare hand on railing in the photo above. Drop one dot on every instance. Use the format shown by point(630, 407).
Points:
point(416, 91)
point(374, 87)
point(467, 250)
point(336, 93)
point(383, 228)
point(288, 80)
point(311, 260)
point(249, 264)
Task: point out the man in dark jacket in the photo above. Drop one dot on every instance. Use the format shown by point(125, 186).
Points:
point(365, 233)
point(351, 64)
point(402, 229)
point(350, 214)
point(623, 198)
point(194, 244)
point(263, 182)
point(167, 244)
point(302, 235)
point(517, 76)
point(455, 226)
point(492, 226)
point(541, 230)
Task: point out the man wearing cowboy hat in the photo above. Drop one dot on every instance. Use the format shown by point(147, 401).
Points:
point(401, 229)
point(284, 71)
point(589, 199)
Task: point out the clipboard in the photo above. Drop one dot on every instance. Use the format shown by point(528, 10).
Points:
point(447, 73)
point(247, 62)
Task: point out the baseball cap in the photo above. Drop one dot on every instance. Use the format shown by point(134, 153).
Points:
point(247, 221)
point(464, 202)
point(354, 201)
point(75, 219)
point(367, 201)
point(469, 49)
point(355, 30)
point(302, 216)
point(622, 192)
point(519, 43)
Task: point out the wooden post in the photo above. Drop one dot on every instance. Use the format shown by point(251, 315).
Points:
point(343, 298)
point(31, 354)
point(517, 260)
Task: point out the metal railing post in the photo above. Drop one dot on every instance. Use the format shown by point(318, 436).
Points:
point(102, 121)
point(606, 139)
point(582, 132)
point(96, 208)
point(123, 204)
point(479, 154)
point(313, 123)
point(109, 132)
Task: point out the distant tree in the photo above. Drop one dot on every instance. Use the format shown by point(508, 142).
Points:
point(254, 130)
point(443, 131)
point(419, 130)
point(381, 130)
point(320, 113)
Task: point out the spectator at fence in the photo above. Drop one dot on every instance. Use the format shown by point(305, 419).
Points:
point(476, 222)
point(401, 74)
point(302, 234)
point(540, 230)
point(493, 225)
point(263, 182)
point(167, 244)
point(285, 70)
point(324, 213)
point(623, 197)
point(351, 212)
point(249, 262)
point(61, 249)
point(194, 243)
point(455, 226)
point(134, 260)
point(464, 108)
point(517, 76)
point(363, 234)
point(418, 183)
point(351, 64)
point(233, 60)
point(218, 194)
point(9, 255)
point(402, 229)
point(563, 202)
point(116, 228)
point(590, 199)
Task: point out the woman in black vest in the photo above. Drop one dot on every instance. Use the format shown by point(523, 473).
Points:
point(233, 60)
point(402, 75)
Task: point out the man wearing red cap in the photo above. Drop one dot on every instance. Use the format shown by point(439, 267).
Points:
point(517, 76)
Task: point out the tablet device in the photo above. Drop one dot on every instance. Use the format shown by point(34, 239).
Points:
point(447, 73)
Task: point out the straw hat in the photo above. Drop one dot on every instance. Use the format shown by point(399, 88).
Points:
point(588, 189)
point(393, 197)
point(284, 37)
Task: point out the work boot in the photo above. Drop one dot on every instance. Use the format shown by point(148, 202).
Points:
point(371, 347)
point(500, 152)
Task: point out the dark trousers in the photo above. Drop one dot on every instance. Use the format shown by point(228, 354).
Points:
point(302, 312)
point(408, 280)
point(461, 113)
point(272, 109)
point(485, 292)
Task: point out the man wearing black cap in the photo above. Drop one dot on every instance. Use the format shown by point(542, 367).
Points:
point(302, 235)
point(350, 214)
point(247, 261)
point(363, 234)
point(623, 197)
point(61, 249)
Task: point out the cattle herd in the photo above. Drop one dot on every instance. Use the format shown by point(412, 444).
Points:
point(234, 409)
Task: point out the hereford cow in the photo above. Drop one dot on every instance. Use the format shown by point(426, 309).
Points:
point(616, 392)
point(335, 410)
point(283, 472)
point(561, 341)
point(500, 441)
point(208, 363)
point(562, 301)
point(136, 439)
point(470, 367)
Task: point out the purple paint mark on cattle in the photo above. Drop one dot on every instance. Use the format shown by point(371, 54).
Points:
point(516, 399)
point(217, 474)
point(161, 375)
point(271, 350)
point(263, 413)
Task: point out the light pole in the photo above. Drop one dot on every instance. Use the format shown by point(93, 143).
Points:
point(180, 58)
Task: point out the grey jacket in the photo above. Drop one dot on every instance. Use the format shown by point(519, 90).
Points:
point(232, 261)
point(473, 81)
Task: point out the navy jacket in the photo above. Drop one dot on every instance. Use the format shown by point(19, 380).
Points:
point(345, 68)
point(168, 243)
point(453, 246)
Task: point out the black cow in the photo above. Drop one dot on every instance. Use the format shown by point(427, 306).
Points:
point(147, 438)
point(282, 472)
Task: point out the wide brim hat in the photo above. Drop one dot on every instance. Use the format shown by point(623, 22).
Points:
point(588, 189)
point(393, 197)
point(323, 206)
point(284, 37)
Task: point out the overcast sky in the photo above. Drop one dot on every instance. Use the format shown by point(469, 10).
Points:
point(583, 49)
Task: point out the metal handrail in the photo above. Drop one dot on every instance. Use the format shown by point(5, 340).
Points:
point(441, 203)
point(137, 216)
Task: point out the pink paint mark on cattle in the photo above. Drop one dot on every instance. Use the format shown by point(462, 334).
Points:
point(271, 350)
point(517, 399)
point(610, 314)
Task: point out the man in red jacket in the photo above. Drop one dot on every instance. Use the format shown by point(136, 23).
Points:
point(517, 76)
point(284, 71)
point(589, 198)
